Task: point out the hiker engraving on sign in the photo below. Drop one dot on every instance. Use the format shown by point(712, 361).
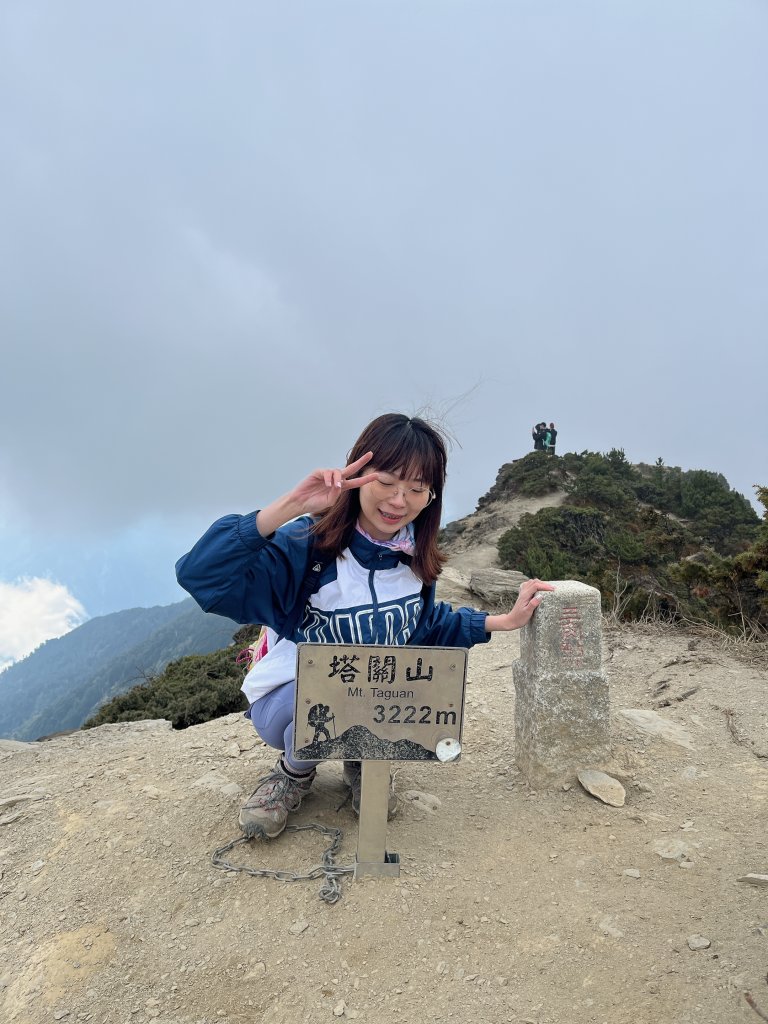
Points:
point(318, 717)
point(358, 702)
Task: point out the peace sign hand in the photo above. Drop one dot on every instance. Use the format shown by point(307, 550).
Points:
point(314, 494)
point(322, 487)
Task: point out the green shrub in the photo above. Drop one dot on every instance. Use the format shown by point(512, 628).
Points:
point(534, 475)
point(554, 543)
point(604, 481)
point(681, 544)
point(191, 690)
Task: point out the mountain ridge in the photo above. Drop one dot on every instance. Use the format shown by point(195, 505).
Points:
point(59, 685)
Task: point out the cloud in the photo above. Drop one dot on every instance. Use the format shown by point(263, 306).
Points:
point(33, 610)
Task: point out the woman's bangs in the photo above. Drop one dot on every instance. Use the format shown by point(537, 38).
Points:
point(412, 454)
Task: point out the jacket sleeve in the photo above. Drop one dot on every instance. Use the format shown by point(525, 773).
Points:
point(234, 571)
point(441, 626)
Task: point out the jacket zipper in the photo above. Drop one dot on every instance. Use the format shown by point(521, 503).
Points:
point(375, 600)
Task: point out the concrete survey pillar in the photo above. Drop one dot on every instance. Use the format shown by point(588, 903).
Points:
point(561, 705)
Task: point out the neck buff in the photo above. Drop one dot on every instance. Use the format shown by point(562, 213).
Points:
point(404, 540)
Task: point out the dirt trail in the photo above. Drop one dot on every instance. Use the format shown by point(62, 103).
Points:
point(475, 547)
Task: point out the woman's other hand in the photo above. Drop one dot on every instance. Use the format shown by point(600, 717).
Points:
point(527, 602)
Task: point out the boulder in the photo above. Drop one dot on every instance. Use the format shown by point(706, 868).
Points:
point(496, 586)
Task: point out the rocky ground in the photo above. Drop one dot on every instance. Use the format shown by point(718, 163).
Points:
point(546, 907)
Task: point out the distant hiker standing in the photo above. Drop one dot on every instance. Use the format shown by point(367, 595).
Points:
point(537, 433)
point(551, 439)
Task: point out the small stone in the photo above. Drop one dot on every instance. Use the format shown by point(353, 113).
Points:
point(297, 928)
point(423, 801)
point(231, 750)
point(754, 879)
point(631, 872)
point(60, 1014)
point(231, 789)
point(605, 788)
point(152, 792)
point(698, 942)
point(643, 787)
point(339, 1008)
point(607, 927)
point(672, 849)
point(37, 866)
point(22, 896)
point(656, 725)
point(216, 781)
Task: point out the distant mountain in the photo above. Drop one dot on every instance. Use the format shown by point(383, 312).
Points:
point(64, 681)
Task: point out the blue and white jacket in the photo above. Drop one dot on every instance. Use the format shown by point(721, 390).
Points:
point(369, 595)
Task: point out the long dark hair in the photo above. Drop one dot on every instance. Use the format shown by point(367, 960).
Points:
point(417, 450)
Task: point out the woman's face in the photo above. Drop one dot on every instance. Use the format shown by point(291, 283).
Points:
point(391, 502)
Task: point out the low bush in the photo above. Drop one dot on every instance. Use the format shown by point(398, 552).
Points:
point(534, 475)
point(653, 539)
point(190, 691)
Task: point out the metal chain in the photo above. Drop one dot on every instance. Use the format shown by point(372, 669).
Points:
point(330, 891)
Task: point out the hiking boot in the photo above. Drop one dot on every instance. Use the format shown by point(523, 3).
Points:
point(352, 777)
point(266, 810)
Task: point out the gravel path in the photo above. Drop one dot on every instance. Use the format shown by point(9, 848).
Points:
point(511, 906)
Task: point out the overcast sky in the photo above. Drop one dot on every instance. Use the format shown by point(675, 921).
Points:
point(232, 233)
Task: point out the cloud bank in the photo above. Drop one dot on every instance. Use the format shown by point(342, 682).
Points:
point(32, 611)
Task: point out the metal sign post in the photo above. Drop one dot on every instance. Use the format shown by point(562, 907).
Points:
point(372, 856)
point(377, 704)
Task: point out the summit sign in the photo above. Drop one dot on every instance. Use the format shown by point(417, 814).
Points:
point(358, 702)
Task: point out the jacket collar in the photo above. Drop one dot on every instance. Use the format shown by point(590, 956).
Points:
point(374, 556)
